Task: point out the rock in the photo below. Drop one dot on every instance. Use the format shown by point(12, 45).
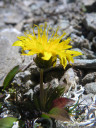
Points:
point(28, 84)
point(12, 17)
point(17, 81)
point(85, 63)
point(90, 35)
point(10, 34)
point(88, 2)
point(54, 83)
point(27, 75)
point(28, 3)
point(70, 1)
point(94, 44)
point(90, 77)
point(80, 42)
point(24, 76)
point(1, 4)
point(90, 21)
point(29, 94)
point(19, 26)
point(68, 79)
point(89, 54)
point(9, 56)
point(64, 24)
point(90, 88)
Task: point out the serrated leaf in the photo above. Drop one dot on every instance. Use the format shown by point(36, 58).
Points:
point(62, 102)
point(59, 114)
point(10, 76)
point(7, 122)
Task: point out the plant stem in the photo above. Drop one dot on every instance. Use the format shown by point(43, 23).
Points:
point(41, 90)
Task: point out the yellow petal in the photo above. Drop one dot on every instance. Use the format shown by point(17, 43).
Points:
point(46, 56)
point(18, 43)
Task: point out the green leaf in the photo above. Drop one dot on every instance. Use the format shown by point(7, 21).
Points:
point(44, 115)
point(59, 114)
point(10, 76)
point(7, 122)
point(55, 111)
point(0, 105)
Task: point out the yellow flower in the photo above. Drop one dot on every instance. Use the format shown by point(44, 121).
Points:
point(53, 47)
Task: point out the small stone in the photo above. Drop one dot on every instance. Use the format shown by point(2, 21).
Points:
point(85, 63)
point(68, 79)
point(63, 24)
point(28, 84)
point(54, 83)
point(26, 76)
point(29, 94)
point(90, 21)
point(88, 2)
point(89, 54)
point(90, 88)
point(90, 77)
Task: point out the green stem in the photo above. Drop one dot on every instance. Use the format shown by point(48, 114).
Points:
point(41, 90)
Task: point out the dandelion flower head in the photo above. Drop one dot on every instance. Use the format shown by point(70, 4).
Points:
point(53, 47)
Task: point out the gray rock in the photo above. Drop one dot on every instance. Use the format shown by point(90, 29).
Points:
point(29, 94)
point(91, 88)
point(64, 24)
point(9, 56)
point(85, 64)
point(90, 21)
point(88, 2)
point(54, 83)
point(68, 79)
point(10, 34)
point(89, 54)
point(27, 75)
point(80, 42)
point(17, 81)
point(90, 77)
point(1, 3)
point(28, 84)
point(94, 43)
point(12, 17)
point(24, 76)
point(70, 1)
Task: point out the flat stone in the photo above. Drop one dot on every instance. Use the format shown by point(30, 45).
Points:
point(9, 56)
point(85, 63)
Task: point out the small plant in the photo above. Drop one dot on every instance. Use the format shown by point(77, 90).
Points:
point(47, 50)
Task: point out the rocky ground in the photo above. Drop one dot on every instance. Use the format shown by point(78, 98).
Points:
point(78, 19)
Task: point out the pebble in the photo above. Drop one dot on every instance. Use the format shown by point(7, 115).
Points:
point(90, 21)
point(90, 88)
